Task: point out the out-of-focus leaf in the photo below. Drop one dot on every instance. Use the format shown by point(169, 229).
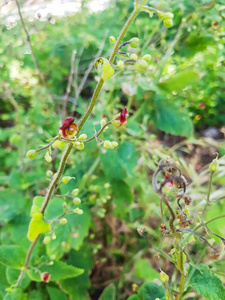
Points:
point(179, 81)
point(109, 293)
point(149, 291)
point(12, 256)
point(142, 269)
point(172, 119)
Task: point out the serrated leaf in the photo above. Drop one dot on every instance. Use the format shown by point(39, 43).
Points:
point(179, 81)
point(207, 284)
point(12, 256)
point(59, 270)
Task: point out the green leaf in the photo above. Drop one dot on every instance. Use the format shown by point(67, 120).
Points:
point(71, 235)
point(109, 293)
point(37, 202)
point(172, 119)
point(56, 294)
point(118, 163)
point(207, 284)
point(11, 205)
point(77, 287)
point(122, 197)
point(12, 256)
point(180, 81)
point(149, 291)
point(15, 295)
point(12, 276)
point(143, 269)
point(59, 270)
point(37, 226)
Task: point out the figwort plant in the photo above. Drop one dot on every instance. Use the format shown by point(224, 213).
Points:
point(69, 136)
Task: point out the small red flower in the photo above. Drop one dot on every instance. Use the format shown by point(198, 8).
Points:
point(169, 183)
point(45, 277)
point(122, 119)
point(68, 128)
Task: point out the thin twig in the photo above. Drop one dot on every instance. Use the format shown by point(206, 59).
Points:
point(87, 72)
point(70, 81)
point(32, 52)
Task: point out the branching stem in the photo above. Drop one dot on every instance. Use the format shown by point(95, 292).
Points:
point(58, 174)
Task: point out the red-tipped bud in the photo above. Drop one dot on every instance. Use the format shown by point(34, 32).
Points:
point(45, 277)
point(121, 119)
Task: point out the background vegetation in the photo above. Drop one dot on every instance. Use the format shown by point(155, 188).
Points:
point(172, 107)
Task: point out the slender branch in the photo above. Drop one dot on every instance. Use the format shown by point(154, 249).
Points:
point(68, 89)
point(47, 146)
point(86, 74)
point(27, 261)
point(98, 133)
point(32, 51)
point(56, 178)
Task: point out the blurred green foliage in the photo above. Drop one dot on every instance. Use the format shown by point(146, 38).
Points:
point(180, 93)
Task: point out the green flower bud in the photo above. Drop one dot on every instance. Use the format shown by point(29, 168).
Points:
point(147, 57)
point(168, 22)
point(107, 144)
point(66, 179)
point(114, 145)
point(76, 201)
point(141, 66)
point(47, 240)
point(64, 205)
point(14, 138)
point(48, 158)
point(76, 210)
point(106, 185)
point(102, 122)
point(53, 236)
point(75, 192)
point(82, 137)
point(163, 277)
point(107, 70)
point(134, 42)
point(112, 40)
point(63, 221)
point(80, 146)
point(80, 212)
point(49, 173)
point(214, 166)
point(133, 56)
point(31, 154)
point(120, 64)
point(58, 144)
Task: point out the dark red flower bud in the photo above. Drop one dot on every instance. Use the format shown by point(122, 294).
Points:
point(69, 128)
point(45, 277)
